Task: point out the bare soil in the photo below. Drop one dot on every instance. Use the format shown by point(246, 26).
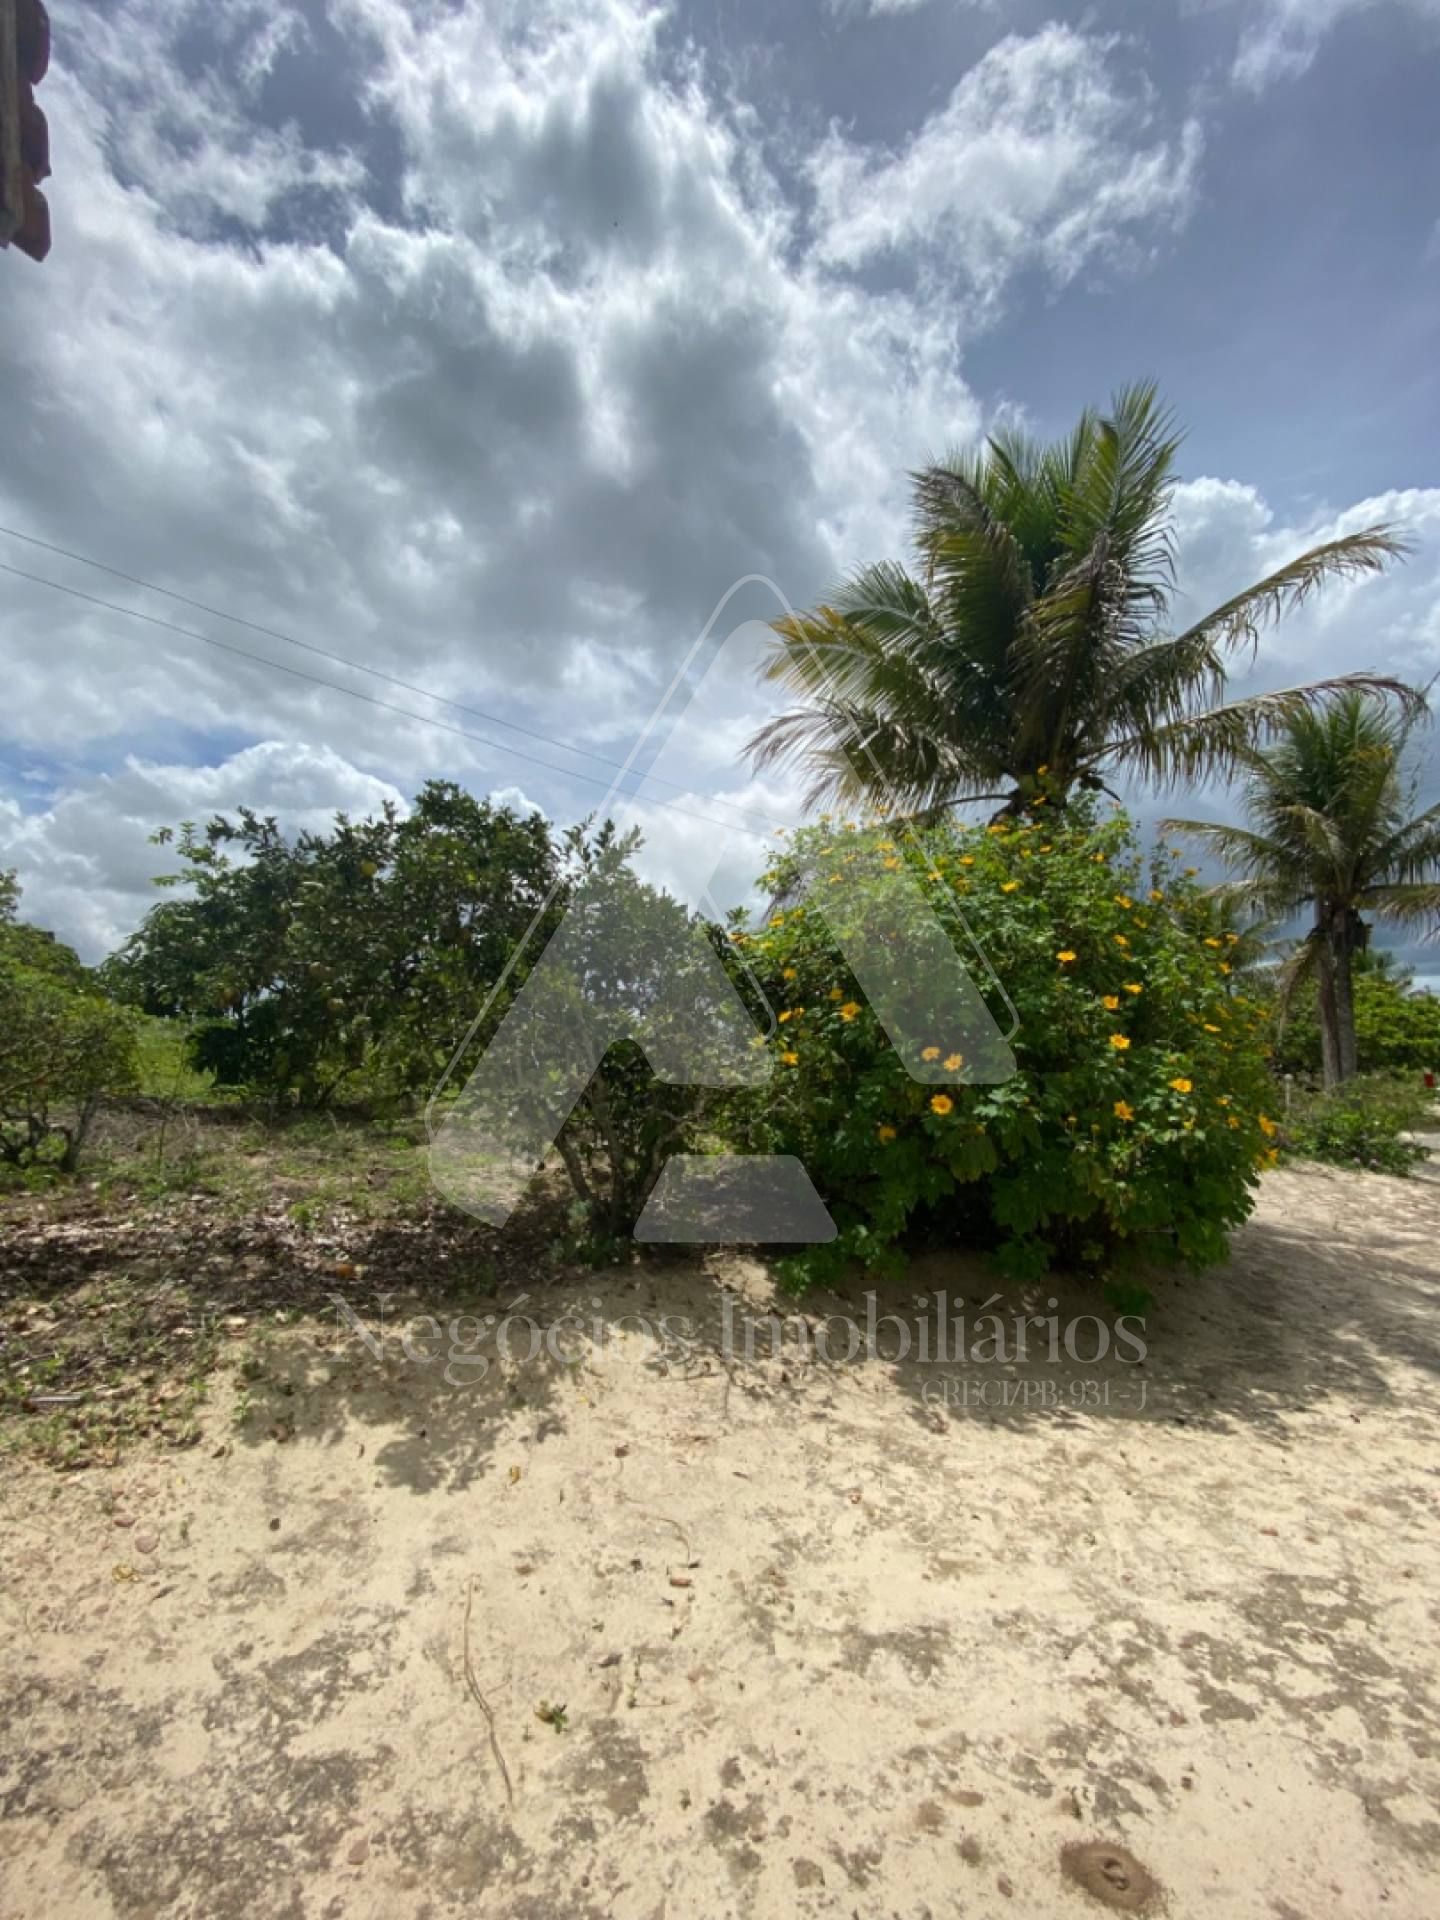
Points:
point(608, 1636)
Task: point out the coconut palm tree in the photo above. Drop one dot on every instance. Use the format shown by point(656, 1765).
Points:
point(1032, 654)
point(1331, 829)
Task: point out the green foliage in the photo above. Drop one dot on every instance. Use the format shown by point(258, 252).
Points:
point(1035, 632)
point(635, 960)
point(63, 1046)
point(1360, 1125)
point(351, 963)
point(1331, 828)
point(1396, 1029)
point(1137, 1116)
point(163, 1063)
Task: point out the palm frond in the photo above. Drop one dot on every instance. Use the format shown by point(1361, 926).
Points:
point(1238, 621)
point(1414, 904)
point(1220, 741)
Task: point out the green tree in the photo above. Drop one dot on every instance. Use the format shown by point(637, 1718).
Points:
point(63, 1045)
point(357, 956)
point(1331, 831)
point(1033, 654)
point(1397, 1030)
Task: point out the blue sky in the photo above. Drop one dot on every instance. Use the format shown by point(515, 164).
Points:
point(487, 345)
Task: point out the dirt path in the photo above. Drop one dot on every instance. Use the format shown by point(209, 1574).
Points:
point(823, 1644)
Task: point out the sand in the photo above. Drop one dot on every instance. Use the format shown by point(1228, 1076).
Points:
point(823, 1644)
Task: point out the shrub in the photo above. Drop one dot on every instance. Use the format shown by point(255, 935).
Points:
point(1360, 1124)
point(620, 997)
point(1396, 1030)
point(1136, 1118)
point(62, 1047)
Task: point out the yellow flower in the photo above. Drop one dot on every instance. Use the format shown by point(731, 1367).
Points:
point(1046, 849)
point(1212, 943)
point(1224, 966)
point(1182, 1085)
point(790, 1059)
point(967, 859)
point(787, 973)
point(892, 863)
point(850, 1010)
point(1009, 886)
point(1123, 1110)
point(1111, 1001)
point(930, 1053)
point(1267, 1127)
point(954, 1062)
point(1042, 771)
point(788, 1014)
point(1099, 859)
point(1208, 1028)
point(778, 921)
point(1133, 986)
point(1123, 900)
point(885, 1135)
point(941, 1103)
point(1231, 1121)
point(1065, 956)
point(1121, 941)
point(1120, 1041)
point(1190, 872)
point(935, 874)
point(1156, 894)
point(1232, 939)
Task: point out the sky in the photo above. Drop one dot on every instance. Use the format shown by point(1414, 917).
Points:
point(484, 347)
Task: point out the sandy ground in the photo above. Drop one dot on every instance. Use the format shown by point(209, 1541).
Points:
point(822, 1647)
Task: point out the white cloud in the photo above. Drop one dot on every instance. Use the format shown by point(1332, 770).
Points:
point(860, 9)
point(1228, 536)
point(1045, 155)
point(1282, 37)
point(86, 862)
point(496, 390)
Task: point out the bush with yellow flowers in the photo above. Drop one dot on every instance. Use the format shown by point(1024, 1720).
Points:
point(1136, 1119)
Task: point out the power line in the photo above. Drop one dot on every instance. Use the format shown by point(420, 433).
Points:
point(353, 693)
point(323, 653)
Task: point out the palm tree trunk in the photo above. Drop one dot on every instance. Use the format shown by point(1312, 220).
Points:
point(1341, 932)
point(1329, 1014)
point(1345, 1012)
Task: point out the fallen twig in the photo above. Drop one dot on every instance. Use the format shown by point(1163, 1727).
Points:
point(481, 1701)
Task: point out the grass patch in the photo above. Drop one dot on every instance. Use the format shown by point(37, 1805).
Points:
point(1362, 1124)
